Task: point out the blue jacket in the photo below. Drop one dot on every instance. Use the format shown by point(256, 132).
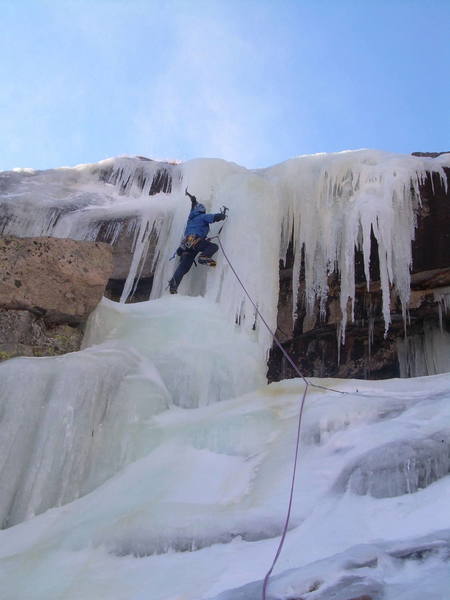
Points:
point(198, 222)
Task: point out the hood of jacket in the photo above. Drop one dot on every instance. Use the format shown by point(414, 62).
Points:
point(197, 211)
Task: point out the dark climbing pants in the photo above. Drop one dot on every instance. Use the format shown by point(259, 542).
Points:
point(187, 260)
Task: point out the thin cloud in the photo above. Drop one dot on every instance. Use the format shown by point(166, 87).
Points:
point(207, 101)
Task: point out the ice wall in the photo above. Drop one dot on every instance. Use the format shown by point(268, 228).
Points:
point(53, 412)
point(69, 423)
point(158, 489)
point(328, 203)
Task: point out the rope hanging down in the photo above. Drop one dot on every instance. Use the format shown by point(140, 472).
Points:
point(272, 333)
point(300, 415)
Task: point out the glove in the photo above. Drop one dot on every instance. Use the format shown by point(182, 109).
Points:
point(179, 251)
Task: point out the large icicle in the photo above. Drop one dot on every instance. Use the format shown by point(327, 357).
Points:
point(335, 201)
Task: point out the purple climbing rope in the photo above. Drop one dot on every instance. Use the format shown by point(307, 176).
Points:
point(300, 416)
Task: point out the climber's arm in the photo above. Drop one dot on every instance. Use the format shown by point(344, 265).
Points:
point(192, 198)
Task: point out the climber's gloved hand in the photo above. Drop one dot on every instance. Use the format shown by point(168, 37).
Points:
point(179, 251)
point(219, 217)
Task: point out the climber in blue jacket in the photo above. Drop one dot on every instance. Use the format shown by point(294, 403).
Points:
point(195, 241)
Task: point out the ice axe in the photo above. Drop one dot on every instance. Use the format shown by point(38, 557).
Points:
point(223, 211)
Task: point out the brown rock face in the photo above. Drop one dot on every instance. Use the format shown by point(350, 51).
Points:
point(22, 333)
point(61, 280)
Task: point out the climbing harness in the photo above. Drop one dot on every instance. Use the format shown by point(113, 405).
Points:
point(300, 415)
point(186, 244)
point(190, 241)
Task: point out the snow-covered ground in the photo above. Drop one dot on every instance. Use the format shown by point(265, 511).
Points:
point(186, 499)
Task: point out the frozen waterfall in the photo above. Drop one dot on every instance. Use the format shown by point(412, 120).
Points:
point(328, 204)
point(156, 462)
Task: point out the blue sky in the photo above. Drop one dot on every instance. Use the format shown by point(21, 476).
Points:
point(252, 81)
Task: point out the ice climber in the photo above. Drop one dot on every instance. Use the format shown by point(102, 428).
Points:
point(195, 241)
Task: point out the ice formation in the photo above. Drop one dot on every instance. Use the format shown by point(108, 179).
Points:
point(87, 413)
point(426, 353)
point(328, 204)
point(156, 462)
point(364, 571)
point(201, 492)
point(400, 467)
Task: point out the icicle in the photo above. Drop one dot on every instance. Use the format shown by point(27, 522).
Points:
point(140, 248)
point(370, 338)
point(339, 335)
point(424, 354)
point(442, 299)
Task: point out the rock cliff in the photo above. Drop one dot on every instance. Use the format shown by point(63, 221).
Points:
point(48, 288)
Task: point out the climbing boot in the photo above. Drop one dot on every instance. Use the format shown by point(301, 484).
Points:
point(172, 287)
point(206, 260)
